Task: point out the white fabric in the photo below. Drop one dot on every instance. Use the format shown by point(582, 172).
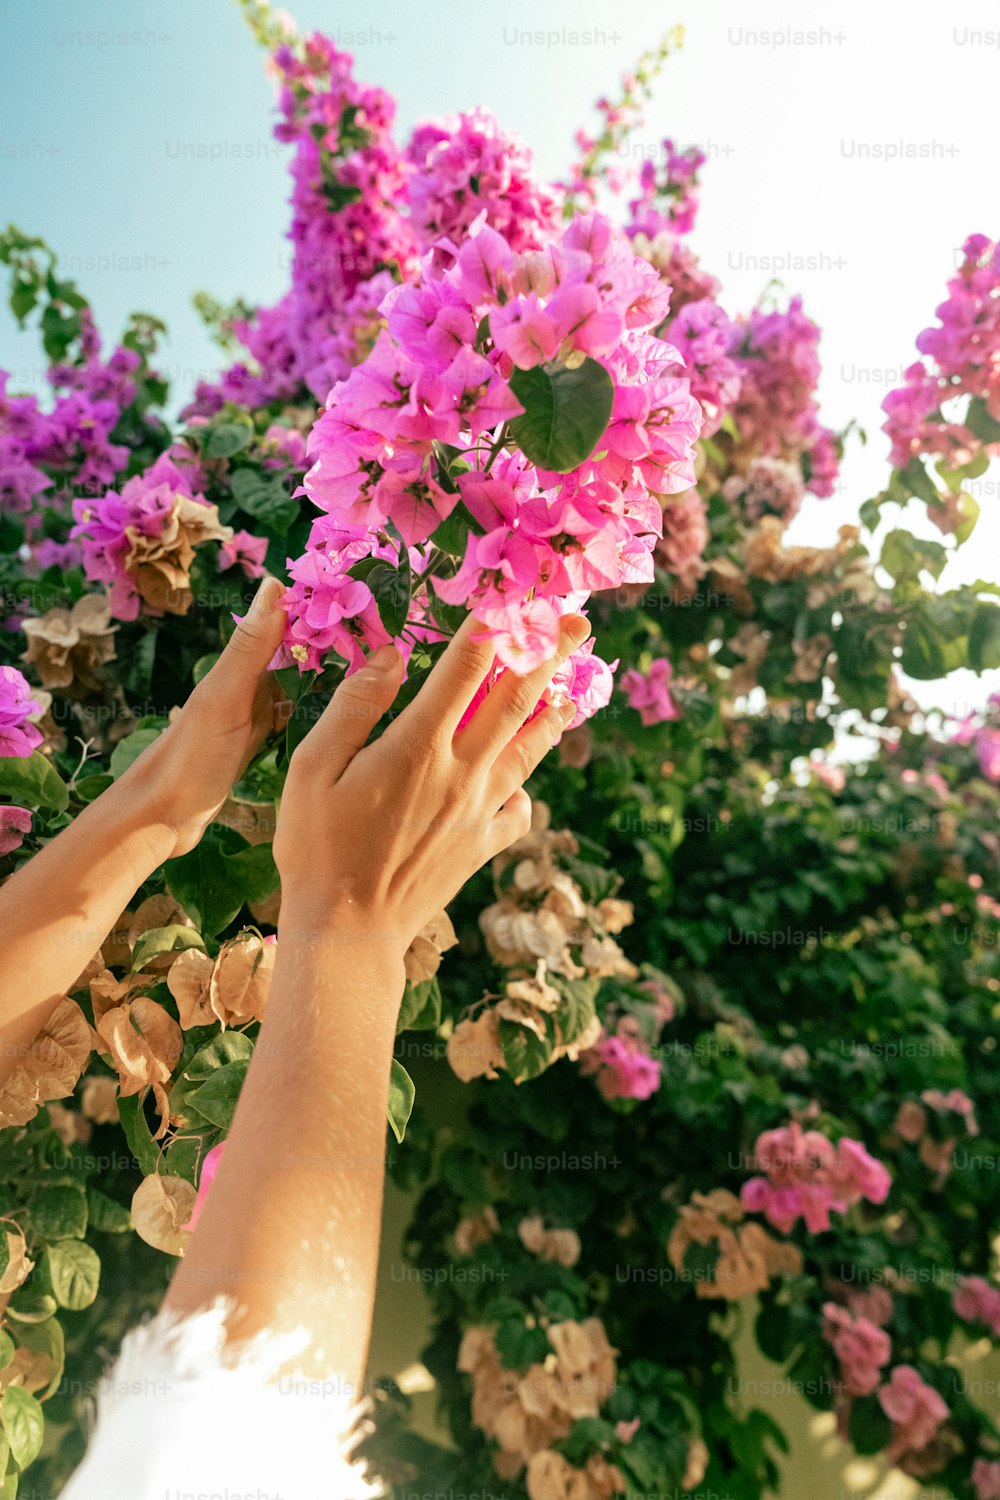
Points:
point(178, 1421)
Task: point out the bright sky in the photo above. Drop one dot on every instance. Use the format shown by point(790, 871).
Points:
point(850, 153)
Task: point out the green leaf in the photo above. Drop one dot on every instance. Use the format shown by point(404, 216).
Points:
point(30, 781)
point(159, 940)
point(31, 1307)
point(525, 1053)
point(980, 423)
point(421, 1007)
point(59, 1212)
point(6, 1350)
point(226, 439)
point(74, 1270)
point(228, 1047)
point(984, 639)
point(452, 534)
point(905, 556)
point(519, 1346)
point(565, 413)
point(217, 878)
point(868, 1427)
point(401, 1092)
point(217, 1097)
point(129, 749)
point(137, 1133)
point(24, 1424)
point(391, 588)
point(266, 498)
point(917, 481)
point(105, 1214)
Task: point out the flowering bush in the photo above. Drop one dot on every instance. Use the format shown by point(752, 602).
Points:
point(761, 986)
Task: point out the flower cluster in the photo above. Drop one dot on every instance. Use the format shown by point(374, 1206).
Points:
point(977, 1300)
point(668, 192)
point(545, 933)
point(465, 165)
point(860, 1345)
point(807, 1177)
point(776, 412)
point(962, 359)
point(915, 1409)
point(528, 1411)
point(539, 538)
point(71, 445)
point(744, 1258)
point(141, 543)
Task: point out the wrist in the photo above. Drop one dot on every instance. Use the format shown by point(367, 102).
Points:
point(130, 816)
point(339, 926)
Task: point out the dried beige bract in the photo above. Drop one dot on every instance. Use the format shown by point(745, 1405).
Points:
point(160, 566)
point(145, 1044)
point(18, 1267)
point(232, 988)
point(161, 1206)
point(67, 646)
point(154, 912)
point(51, 1066)
point(422, 958)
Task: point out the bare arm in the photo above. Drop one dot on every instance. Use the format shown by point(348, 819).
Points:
point(371, 843)
point(56, 911)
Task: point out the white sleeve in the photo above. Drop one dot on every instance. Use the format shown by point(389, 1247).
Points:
point(177, 1420)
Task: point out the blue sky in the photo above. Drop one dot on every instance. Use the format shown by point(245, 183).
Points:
point(848, 145)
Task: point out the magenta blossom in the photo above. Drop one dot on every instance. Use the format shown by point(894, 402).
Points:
point(18, 737)
point(915, 1409)
point(649, 692)
point(247, 551)
point(15, 822)
point(622, 1069)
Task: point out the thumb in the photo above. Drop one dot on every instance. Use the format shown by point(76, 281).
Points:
point(254, 641)
point(352, 713)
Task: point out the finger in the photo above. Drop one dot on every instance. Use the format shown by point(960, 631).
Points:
point(453, 683)
point(512, 699)
point(519, 758)
point(238, 671)
point(351, 714)
point(511, 823)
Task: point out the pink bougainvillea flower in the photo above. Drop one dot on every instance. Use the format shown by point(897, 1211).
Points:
point(15, 822)
point(649, 692)
point(18, 736)
point(915, 1409)
point(246, 551)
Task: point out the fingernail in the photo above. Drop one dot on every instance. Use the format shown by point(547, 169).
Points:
point(266, 597)
point(577, 629)
point(385, 659)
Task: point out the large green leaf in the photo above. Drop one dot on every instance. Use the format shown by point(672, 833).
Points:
point(59, 1212)
point(24, 1424)
point(217, 1097)
point(565, 413)
point(74, 1271)
point(391, 588)
point(160, 940)
point(216, 879)
point(30, 781)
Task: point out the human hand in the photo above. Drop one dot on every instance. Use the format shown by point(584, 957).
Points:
point(184, 777)
point(373, 840)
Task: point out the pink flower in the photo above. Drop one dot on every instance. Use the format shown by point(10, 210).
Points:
point(861, 1347)
point(246, 550)
point(986, 1479)
point(915, 1409)
point(807, 1177)
point(832, 777)
point(18, 737)
point(977, 1300)
point(15, 822)
point(209, 1168)
point(649, 692)
point(988, 751)
point(623, 1070)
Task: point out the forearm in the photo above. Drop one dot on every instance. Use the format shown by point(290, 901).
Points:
point(56, 911)
point(291, 1225)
